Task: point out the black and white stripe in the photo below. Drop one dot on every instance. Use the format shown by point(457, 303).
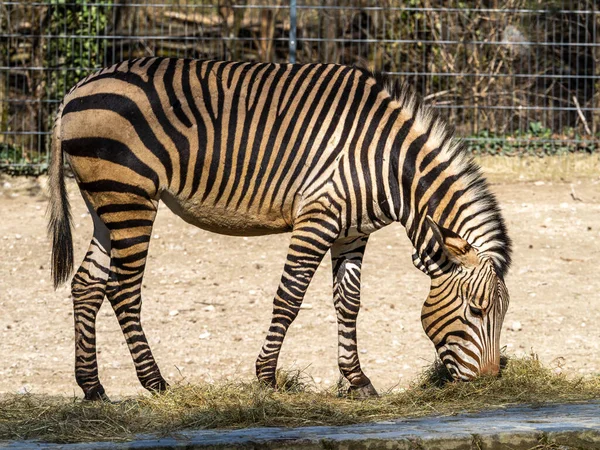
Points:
point(328, 152)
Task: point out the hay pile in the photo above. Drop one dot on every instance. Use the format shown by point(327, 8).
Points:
point(297, 403)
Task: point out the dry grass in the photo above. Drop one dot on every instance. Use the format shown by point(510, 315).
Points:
point(59, 419)
point(558, 168)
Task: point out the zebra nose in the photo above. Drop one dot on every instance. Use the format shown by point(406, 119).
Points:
point(491, 368)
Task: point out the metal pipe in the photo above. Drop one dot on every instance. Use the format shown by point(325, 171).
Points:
point(293, 42)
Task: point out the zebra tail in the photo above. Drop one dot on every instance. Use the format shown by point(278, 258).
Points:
point(59, 224)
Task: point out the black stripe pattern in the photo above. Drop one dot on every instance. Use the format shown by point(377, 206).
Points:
point(327, 152)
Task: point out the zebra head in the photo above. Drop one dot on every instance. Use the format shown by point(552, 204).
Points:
point(465, 309)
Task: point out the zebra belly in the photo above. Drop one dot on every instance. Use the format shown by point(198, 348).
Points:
point(225, 220)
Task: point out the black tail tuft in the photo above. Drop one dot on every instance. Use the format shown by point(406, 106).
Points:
point(59, 225)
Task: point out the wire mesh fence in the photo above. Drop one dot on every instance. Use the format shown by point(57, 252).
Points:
point(513, 76)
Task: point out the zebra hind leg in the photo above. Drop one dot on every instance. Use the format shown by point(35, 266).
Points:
point(130, 234)
point(310, 241)
point(347, 255)
point(88, 290)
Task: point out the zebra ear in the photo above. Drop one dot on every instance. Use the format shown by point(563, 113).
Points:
point(455, 248)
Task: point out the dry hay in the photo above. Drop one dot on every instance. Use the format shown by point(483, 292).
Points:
point(297, 403)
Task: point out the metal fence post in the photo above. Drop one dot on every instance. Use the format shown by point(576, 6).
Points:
point(292, 56)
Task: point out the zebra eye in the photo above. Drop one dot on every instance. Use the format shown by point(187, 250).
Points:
point(476, 311)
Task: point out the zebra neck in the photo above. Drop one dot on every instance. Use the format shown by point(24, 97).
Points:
point(466, 208)
point(437, 178)
point(420, 170)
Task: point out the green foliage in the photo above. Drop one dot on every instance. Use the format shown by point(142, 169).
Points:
point(15, 161)
point(536, 129)
point(75, 26)
point(74, 49)
point(535, 140)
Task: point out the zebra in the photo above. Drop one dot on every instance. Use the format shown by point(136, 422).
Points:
point(328, 152)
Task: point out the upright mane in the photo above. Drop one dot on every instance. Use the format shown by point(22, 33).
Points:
point(498, 244)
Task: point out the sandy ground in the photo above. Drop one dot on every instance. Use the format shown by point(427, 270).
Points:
point(207, 298)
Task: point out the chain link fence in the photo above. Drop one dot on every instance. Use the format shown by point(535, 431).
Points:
point(513, 76)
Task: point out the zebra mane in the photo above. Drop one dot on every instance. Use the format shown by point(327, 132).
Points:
point(498, 247)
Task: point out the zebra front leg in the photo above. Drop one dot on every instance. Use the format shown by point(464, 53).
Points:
point(129, 249)
point(310, 241)
point(346, 256)
point(88, 289)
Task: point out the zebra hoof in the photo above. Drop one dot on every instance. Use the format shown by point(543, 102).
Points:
point(158, 387)
point(365, 391)
point(96, 394)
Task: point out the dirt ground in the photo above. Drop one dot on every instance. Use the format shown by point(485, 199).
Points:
point(207, 298)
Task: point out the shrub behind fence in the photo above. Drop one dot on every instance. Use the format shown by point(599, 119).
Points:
point(513, 76)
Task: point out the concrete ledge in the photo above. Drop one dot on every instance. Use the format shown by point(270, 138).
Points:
point(573, 426)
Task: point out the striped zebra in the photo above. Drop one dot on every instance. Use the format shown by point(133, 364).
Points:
point(327, 152)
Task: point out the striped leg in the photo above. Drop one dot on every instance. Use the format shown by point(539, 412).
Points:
point(88, 289)
point(346, 257)
point(310, 241)
point(129, 248)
